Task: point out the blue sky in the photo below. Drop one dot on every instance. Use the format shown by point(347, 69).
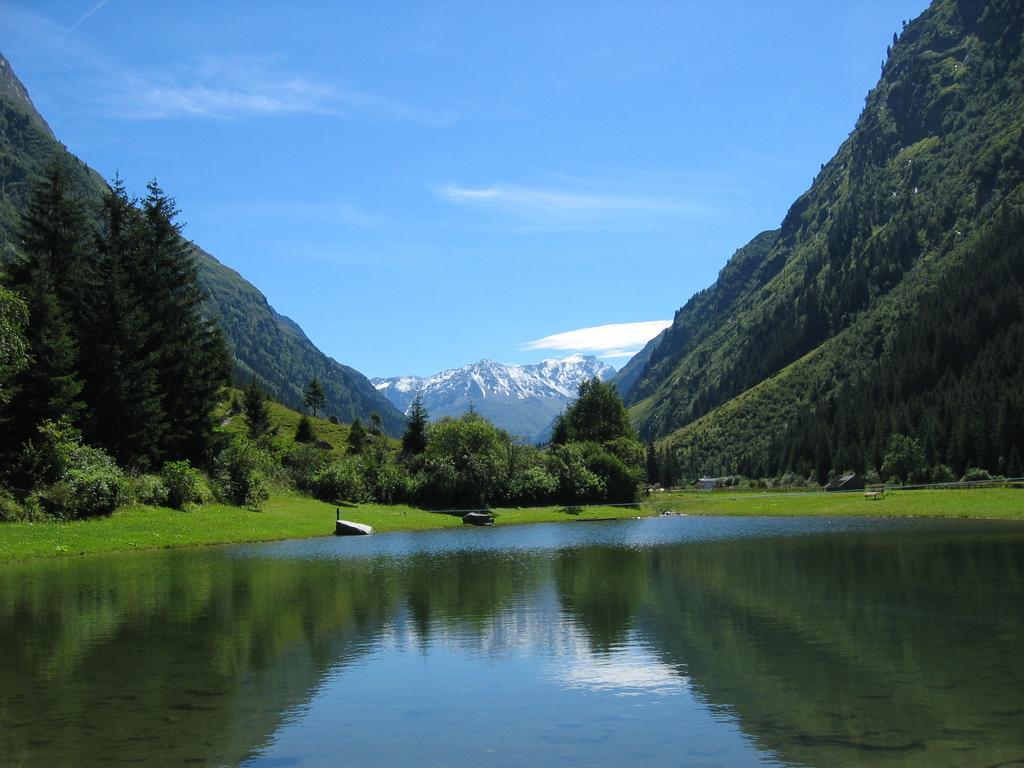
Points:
point(424, 184)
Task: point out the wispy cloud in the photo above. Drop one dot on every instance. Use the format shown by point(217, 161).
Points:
point(220, 87)
point(226, 87)
point(539, 201)
point(83, 17)
point(615, 340)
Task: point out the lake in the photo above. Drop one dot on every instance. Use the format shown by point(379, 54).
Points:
point(667, 641)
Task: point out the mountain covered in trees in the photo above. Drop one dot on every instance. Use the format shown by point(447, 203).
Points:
point(521, 399)
point(263, 343)
point(890, 301)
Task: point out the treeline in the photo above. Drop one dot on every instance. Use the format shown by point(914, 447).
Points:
point(460, 463)
point(951, 376)
point(105, 343)
point(948, 377)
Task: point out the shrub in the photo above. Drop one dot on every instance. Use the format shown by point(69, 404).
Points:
point(302, 464)
point(941, 473)
point(241, 473)
point(92, 484)
point(185, 485)
point(577, 483)
point(340, 481)
point(71, 480)
point(975, 474)
point(10, 509)
point(534, 485)
point(147, 489)
point(384, 478)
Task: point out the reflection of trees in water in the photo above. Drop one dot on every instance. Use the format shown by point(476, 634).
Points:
point(198, 654)
point(602, 588)
point(870, 649)
point(822, 648)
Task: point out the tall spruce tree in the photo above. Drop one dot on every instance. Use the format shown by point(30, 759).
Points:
point(50, 273)
point(119, 350)
point(414, 440)
point(189, 352)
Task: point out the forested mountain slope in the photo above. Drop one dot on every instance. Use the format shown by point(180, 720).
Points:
point(263, 342)
point(893, 282)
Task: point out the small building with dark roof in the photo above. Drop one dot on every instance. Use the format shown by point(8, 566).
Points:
point(848, 482)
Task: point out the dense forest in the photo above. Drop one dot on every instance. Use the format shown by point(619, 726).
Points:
point(888, 302)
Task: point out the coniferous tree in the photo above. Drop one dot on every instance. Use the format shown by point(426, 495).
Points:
point(653, 471)
point(304, 430)
point(257, 415)
point(190, 354)
point(119, 357)
point(597, 415)
point(313, 396)
point(357, 437)
point(414, 440)
point(56, 237)
point(49, 387)
point(50, 273)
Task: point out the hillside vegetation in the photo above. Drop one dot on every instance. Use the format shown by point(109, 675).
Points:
point(889, 301)
point(263, 342)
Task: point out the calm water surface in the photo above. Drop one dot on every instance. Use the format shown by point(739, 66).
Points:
point(676, 641)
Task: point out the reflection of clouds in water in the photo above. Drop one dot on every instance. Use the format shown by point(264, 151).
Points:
point(629, 670)
point(543, 629)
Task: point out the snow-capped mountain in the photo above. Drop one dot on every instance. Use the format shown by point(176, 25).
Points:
point(521, 399)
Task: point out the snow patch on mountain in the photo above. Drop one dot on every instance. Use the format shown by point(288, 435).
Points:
point(522, 399)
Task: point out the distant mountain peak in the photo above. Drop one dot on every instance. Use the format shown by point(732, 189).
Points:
point(522, 399)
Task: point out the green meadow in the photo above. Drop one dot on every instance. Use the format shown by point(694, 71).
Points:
point(293, 516)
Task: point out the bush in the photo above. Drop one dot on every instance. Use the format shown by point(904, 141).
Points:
point(147, 489)
point(10, 509)
point(577, 483)
point(241, 474)
point(385, 480)
point(71, 480)
point(341, 481)
point(302, 464)
point(941, 473)
point(975, 475)
point(185, 485)
point(534, 485)
point(91, 485)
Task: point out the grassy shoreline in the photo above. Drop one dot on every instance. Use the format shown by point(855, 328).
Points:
point(292, 517)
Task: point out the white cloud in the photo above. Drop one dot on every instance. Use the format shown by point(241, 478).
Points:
point(537, 201)
point(224, 87)
point(615, 340)
point(209, 87)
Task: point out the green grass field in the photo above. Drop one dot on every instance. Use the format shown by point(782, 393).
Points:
point(294, 516)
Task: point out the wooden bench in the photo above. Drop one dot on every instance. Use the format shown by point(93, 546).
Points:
point(874, 492)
